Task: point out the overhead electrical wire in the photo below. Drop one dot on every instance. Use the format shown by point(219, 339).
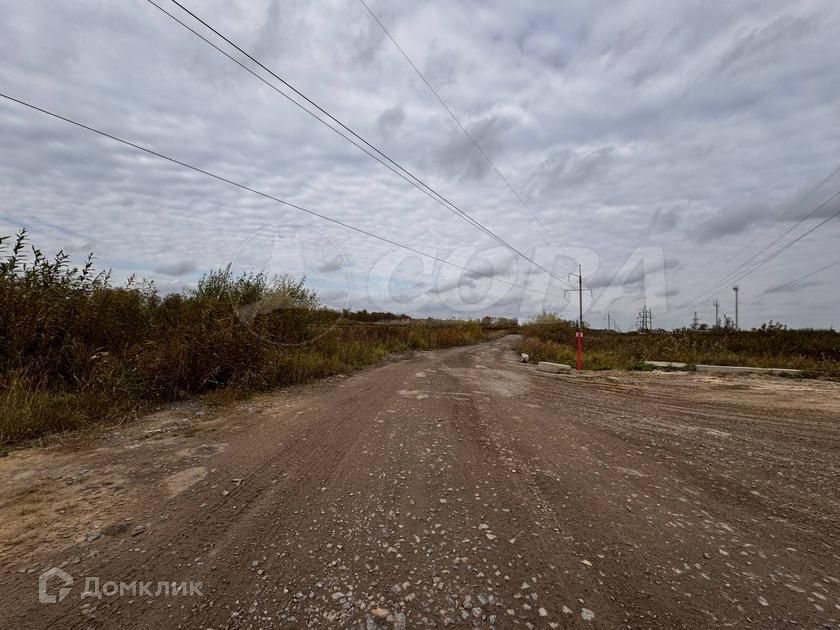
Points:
point(725, 279)
point(792, 207)
point(413, 179)
point(733, 277)
point(458, 122)
point(260, 193)
point(797, 239)
point(794, 281)
point(301, 106)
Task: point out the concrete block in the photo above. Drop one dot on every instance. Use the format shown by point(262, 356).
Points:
point(736, 369)
point(666, 364)
point(554, 368)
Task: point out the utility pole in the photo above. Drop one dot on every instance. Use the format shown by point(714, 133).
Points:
point(736, 288)
point(717, 317)
point(579, 334)
point(608, 321)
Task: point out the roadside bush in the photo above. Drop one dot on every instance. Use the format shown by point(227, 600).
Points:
point(75, 350)
point(809, 350)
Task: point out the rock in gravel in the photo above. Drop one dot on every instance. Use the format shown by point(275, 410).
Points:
point(543, 612)
point(587, 614)
point(380, 614)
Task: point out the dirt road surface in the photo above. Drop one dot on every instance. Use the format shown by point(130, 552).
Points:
point(456, 488)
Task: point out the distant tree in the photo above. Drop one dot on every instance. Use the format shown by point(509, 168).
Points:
point(771, 326)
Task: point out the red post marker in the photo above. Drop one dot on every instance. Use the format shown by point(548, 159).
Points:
point(579, 336)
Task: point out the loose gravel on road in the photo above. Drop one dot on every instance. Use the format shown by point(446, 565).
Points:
point(456, 488)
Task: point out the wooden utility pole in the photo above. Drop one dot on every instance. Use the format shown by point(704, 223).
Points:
point(717, 316)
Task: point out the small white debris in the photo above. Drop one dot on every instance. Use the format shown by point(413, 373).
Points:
point(762, 601)
point(587, 614)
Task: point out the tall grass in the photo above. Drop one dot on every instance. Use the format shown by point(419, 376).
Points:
point(769, 346)
point(75, 350)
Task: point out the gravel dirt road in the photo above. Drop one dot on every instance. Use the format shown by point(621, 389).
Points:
point(455, 487)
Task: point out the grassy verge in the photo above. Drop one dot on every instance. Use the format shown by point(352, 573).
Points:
point(814, 351)
point(76, 351)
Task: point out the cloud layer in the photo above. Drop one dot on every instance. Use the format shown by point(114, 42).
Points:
point(641, 133)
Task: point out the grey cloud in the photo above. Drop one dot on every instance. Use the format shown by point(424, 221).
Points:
point(762, 45)
point(569, 169)
point(691, 129)
point(452, 283)
point(731, 222)
point(460, 157)
point(669, 292)
point(602, 280)
point(664, 219)
point(333, 264)
point(440, 67)
point(793, 288)
point(390, 120)
point(180, 268)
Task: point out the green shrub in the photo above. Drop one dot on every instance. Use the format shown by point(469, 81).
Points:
point(769, 346)
point(75, 350)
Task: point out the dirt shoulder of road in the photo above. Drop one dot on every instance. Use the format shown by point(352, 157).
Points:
point(85, 485)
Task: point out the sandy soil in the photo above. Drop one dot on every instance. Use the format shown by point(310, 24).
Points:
point(453, 488)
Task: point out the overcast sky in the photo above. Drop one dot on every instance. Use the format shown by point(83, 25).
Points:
point(660, 145)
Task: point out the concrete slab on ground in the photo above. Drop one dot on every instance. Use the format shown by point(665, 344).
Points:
point(666, 364)
point(737, 369)
point(554, 368)
point(726, 369)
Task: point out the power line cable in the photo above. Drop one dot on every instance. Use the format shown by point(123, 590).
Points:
point(725, 279)
point(458, 122)
point(794, 281)
point(796, 240)
point(729, 276)
point(434, 194)
point(241, 186)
